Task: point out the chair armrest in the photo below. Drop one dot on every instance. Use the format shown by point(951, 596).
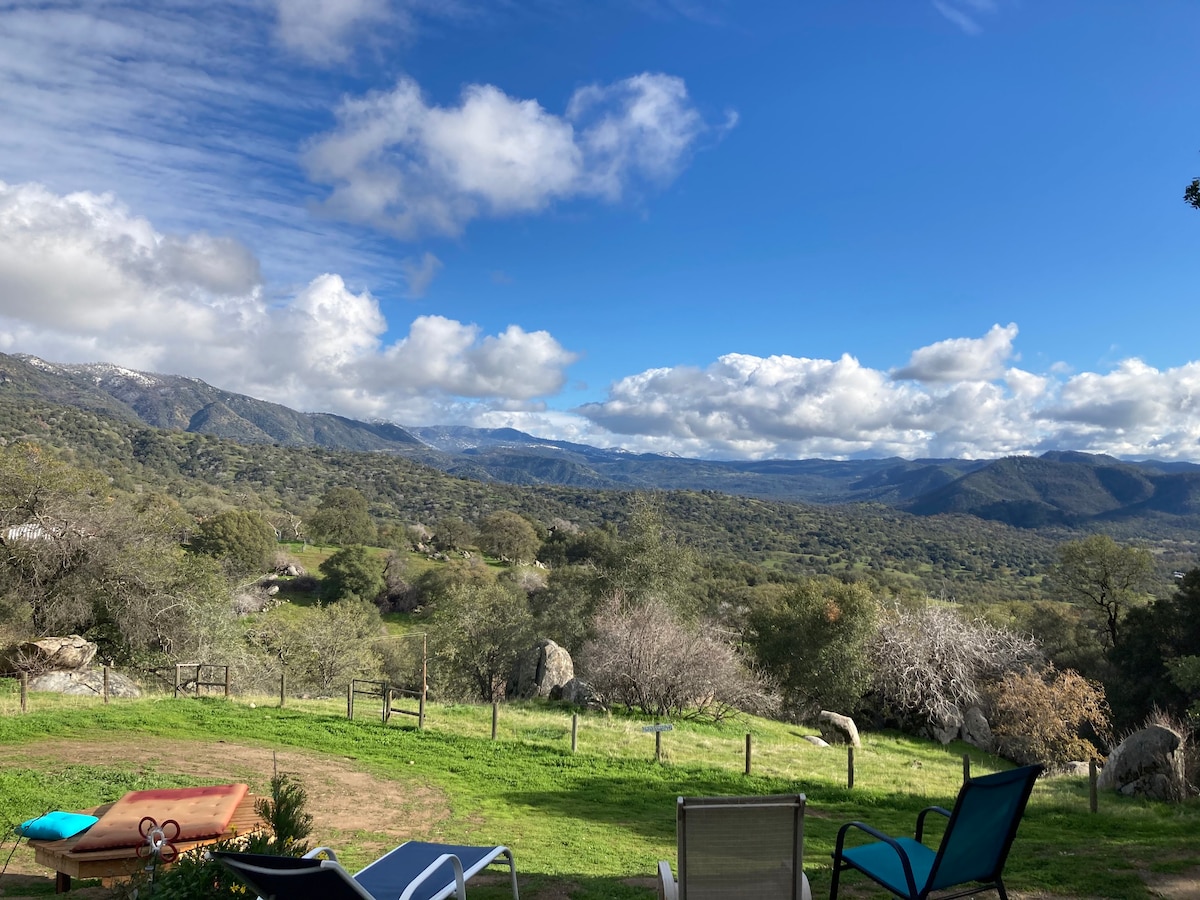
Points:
point(460, 881)
point(921, 817)
point(667, 888)
point(887, 839)
point(321, 853)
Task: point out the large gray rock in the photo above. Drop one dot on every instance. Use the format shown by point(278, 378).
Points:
point(1148, 763)
point(45, 654)
point(976, 731)
point(89, 683)
point(946, 727)
point(542, 668)
point(838, 729)
point(578, 692)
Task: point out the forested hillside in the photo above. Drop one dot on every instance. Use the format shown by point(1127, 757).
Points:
point(951, 556)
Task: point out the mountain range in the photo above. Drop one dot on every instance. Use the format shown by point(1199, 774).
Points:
point(1058, 488)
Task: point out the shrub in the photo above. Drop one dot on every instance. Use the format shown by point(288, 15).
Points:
point(929, 664)
point(813, 640)
point(646, 658)
point(352, 570)
point(1041, 716)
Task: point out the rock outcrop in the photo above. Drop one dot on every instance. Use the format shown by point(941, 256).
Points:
point(89, 683)
point(838, 729)
point(52, 653)
point(541, 669)
point(1148, 763)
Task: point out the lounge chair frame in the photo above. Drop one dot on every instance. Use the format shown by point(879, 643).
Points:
point(413, 871)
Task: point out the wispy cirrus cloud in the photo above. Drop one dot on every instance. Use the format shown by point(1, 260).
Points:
point(968, 15)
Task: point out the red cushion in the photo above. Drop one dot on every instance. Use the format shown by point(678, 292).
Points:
point(202, 812)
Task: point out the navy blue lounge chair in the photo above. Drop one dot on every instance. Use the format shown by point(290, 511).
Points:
point(973, 849)
point(413, 871)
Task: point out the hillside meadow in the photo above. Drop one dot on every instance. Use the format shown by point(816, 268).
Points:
point(586, 825)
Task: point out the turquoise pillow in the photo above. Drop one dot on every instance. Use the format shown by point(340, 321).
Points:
point(55, 826)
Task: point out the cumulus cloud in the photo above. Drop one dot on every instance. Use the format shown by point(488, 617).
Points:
point(397, 162)
point(963, 404)
point(82, 278)
point(961, 359)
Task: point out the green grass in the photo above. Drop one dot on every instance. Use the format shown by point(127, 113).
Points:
point(582, 823)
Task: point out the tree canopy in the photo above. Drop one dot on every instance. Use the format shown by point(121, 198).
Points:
point(342, 518)
point(240, 538)
point(1105, 578)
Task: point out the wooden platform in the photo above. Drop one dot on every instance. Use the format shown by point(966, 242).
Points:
point(123, 862)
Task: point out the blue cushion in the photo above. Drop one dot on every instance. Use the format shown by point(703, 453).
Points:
point(55, 826)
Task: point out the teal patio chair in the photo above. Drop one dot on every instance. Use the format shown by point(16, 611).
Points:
point(972, 852)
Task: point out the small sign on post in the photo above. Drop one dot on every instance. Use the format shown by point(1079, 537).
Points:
point(658, 730)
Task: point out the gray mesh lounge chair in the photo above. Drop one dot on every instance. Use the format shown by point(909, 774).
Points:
point(735, 847)
point(413, 871)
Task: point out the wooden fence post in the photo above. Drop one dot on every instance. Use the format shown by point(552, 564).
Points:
point(104, 674)
point(748, 752)
point(1093, 796)
point(495, 717)
point(658, 746)
point(574, 732)
point(387, 702)
point(282, 687)
point(850, 766)
point(24, 691)
point(424, 681)
point(227, 682)
point(177, 667)
point(350, 700)
point(966, 768)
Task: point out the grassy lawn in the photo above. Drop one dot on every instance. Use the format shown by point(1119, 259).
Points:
point(582, 824)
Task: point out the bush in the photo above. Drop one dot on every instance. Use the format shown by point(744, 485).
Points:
point(813, 640)
point(929, 664)
point(1041, 716)
point(242, 539)
point(352, 570)
point(646, 658)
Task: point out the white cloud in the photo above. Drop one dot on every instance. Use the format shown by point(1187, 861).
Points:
point(399, 163)
point(965, 405)
point(321, 29)
point(83, 279)
point(961, 359)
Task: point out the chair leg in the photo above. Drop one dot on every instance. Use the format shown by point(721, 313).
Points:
point(1000, 889)
point(833, 885)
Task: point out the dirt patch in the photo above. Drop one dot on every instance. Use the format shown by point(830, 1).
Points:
point(1180, 886)
point(344, 799)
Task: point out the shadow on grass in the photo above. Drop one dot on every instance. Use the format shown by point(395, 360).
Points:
point(641, 805)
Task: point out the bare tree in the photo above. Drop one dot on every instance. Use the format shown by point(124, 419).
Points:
point(930, 663)
point(644, 657)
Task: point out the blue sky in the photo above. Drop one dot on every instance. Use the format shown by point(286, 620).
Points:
point(741, 230)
